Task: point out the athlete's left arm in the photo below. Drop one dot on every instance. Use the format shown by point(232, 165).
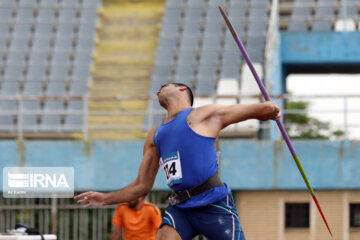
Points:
point(140, 187)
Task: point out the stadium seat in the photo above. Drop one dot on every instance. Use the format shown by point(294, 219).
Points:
point(56, 89)
point(231, 56)
point(33, 89)
point(8, 106)
point(22, 30)
point(348, 12)
point(298, 26)
point(70, 4)
point(41, 44)
point(73, 123)
point(25, 15)
point(67, 15)
point(91, 3)
point(81, 73)
point(172, 16)
point(342, 25)
point(196, 4)
point(13, 73)
point(7, 123)
point(321, 26)
point(209, 58)
point(238, 3)
point(59, 72)
point(331, 3)
point(324, 13)
point(205, 88)
point(75, 106)
point(186, 57)
point(36, 72)
point(46, 15)
point(163, 71)
point(50, 123)
point(193, 15)
point(184, 74)
point(177, 4)
point(54, 106)
point(5, 14)
point(29, 123)
point(230, 71)
point(49, 4)
point(228, 87)
point(202, 101)
point(78, 89)
point(259, 3)
point(248, 82)
point(10, 88)
point(32, 106)
point(216, 3)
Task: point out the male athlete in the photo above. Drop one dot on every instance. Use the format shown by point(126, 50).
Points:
point(184, 146)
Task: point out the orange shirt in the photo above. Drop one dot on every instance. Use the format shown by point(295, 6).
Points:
point(138, 225)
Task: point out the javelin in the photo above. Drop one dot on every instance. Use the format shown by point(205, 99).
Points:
point(278, 122)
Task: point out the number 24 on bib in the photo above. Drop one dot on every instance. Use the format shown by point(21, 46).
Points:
point(171, 165)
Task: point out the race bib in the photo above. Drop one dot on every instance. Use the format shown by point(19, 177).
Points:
point(171, 165)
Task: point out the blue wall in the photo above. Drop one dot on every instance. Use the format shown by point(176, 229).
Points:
point(244, 164)
point(320, 47)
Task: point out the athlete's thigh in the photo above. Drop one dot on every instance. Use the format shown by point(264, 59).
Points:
point(167, 232)
point(175, 220)
point(218, 221)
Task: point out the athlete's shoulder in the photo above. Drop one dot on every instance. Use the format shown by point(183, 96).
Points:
point(204, 111)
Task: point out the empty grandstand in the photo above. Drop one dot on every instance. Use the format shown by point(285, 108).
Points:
point(88, 70)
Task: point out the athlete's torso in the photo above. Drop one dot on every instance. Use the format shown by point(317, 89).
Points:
point(188, 159)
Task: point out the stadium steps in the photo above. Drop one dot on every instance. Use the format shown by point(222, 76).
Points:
point(125, 51)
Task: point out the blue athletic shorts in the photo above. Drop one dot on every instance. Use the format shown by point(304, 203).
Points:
point(215, 221)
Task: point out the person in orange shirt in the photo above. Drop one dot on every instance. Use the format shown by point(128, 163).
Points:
point(139, 219)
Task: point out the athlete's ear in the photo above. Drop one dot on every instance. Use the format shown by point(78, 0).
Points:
point(182, 88)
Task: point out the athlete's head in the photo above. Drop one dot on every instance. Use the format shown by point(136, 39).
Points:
point(134, 203)
point(174, 90)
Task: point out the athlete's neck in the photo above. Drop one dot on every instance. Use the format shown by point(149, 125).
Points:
point(174, 110)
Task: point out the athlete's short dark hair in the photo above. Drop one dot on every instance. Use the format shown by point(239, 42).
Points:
point(188, 91)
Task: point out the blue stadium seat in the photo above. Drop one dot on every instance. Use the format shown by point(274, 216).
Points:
point(28, 3)
point(54, 106)
point(50, 123)
point(298, 26)
point(9, 106)
point(36, 72)
point(33, 89)
point(10, 88)
point(321, 26)
point(74, 123)
point(30, 123)
point(33, 106)
point(46, 15)
point(56, 89)
point(5, 14)
point(78, 89)
point(13, 73)
point(7, 123)
point(75, 106)
point(196, 4)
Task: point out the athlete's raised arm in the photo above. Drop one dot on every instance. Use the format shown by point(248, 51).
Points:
point(140, 187)
point(210, 119)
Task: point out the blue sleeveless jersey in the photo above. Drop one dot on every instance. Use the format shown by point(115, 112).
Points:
point(188, 159)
